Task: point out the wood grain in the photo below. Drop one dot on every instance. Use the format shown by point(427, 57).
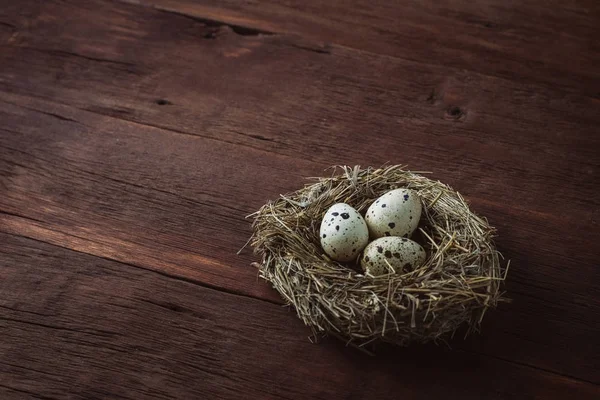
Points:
point(525, 40)
point(476, 122)
point(103, 214)
point(144, 137)
point(123, 332)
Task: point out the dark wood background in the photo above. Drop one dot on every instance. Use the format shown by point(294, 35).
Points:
point(135, 136)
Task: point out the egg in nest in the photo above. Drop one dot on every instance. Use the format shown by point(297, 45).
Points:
point(344, 233)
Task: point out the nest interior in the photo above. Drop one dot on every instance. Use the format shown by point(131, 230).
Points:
point(459, 281)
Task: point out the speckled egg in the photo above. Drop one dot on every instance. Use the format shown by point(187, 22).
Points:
point(395, 213)
point(402, 254)
point(344, 232)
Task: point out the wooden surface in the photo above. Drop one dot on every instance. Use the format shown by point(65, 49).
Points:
point(136, 135)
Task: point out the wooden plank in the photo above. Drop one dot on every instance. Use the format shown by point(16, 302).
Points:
point(526, 41)
point(106, 330)
point(172, 199)
point(461, 122)
point(91, 185)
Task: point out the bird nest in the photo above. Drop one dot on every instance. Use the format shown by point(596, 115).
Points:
point(458, 282)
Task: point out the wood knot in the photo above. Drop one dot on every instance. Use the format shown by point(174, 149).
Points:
point(454, 113)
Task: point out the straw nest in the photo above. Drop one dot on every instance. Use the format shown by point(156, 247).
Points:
point(459, 281)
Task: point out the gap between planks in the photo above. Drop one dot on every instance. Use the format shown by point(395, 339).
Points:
point(158, 272)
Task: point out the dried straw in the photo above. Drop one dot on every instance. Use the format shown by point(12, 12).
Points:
point(459, 281)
